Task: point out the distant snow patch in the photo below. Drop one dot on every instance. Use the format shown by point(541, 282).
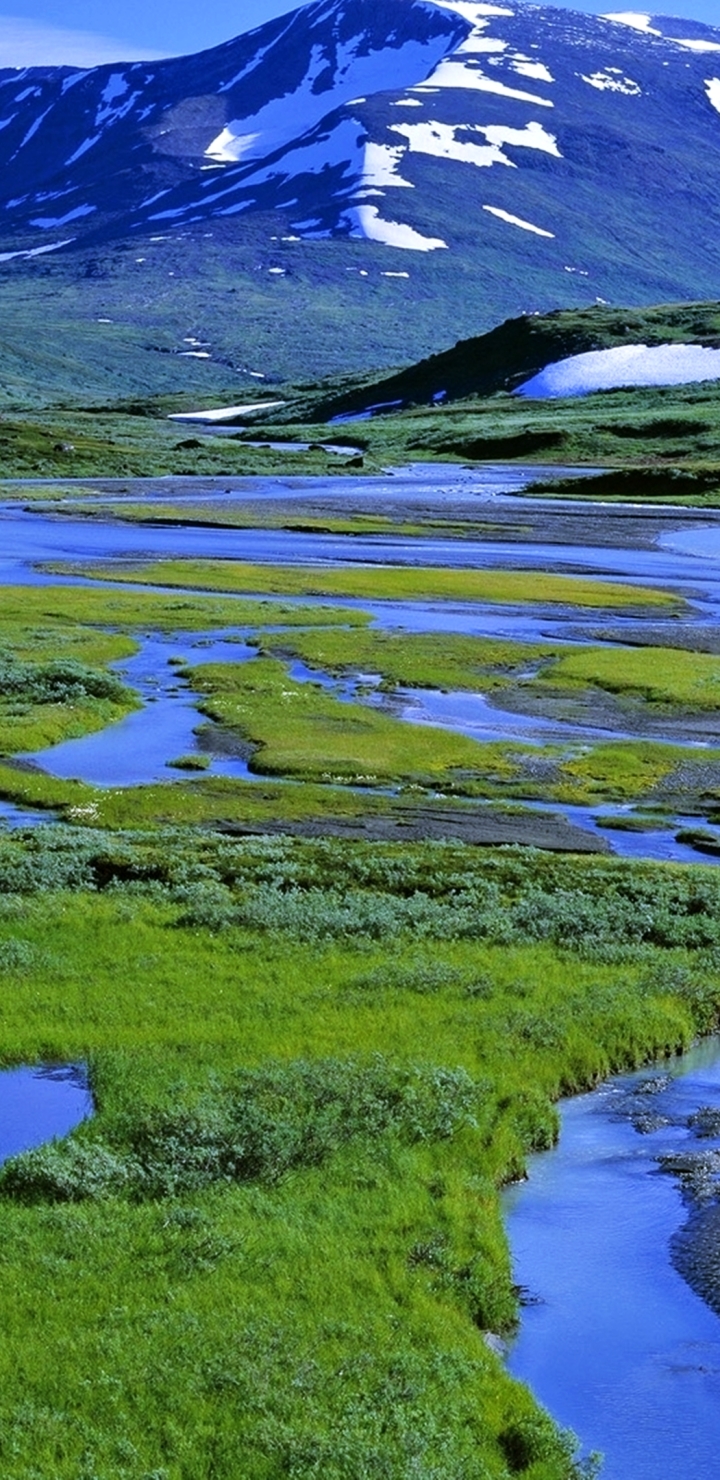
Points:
point(533, 136)
point(83, 149)
point(695, 45)
point(476, 45)
point(638, 22)
point(401, 103)
point(395, 274)
point(117, 86)
point(460, 141)
point(279, 122)
point(713, 91)
point(38, 251)
point(225, 413)
point(33, 129)
point(380, 163)
point(365, 221)
point(627, 365)
point(535, 70)
point(442, 141)
point(459, 75)
point(45, 222)
point(471, 12)
point(613, 80)
point(518, 221)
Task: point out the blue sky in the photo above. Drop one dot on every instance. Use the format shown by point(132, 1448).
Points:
point(84, 32)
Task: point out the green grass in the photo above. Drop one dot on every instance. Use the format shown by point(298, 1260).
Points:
point(327, 1320)
point(301, 730)
point(383, 583)
point(56, 642)
point(436, 660)
point(54, 621)
point(659, 675)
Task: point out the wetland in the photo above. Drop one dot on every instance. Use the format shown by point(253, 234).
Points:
point(349, 824)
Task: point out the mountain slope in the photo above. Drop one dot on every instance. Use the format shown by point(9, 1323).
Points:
point(483, 160)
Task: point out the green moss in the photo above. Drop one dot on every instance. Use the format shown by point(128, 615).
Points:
point(329, 1314)
point(301, 730)
point(658, 675)
point(384, 583)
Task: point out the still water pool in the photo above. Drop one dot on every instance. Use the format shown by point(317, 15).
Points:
point(37, 1104)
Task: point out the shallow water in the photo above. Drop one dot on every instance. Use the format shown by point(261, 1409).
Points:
point(136, 751)
point(39, 1104)
point(612, 1340)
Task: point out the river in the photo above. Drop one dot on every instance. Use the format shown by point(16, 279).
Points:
point(612, 1339)
point(645, 546)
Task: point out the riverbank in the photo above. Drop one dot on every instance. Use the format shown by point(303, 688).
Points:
point(199, 974)
point(326, 1018)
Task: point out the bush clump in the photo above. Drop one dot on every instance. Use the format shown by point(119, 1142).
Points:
point(262, 1125)
point(62, 681)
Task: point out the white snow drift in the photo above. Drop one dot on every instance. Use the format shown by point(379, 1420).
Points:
point(628, 365)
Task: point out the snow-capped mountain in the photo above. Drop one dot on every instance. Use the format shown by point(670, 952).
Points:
point(529, 142)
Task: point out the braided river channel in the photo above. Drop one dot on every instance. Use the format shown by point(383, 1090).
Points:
point(616, 1233)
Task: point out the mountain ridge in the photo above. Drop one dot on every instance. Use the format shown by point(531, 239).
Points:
point(481, 160)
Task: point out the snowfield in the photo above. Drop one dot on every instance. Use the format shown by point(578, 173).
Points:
point(628, 365)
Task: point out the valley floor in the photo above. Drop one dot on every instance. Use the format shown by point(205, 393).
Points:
point(323, 1027)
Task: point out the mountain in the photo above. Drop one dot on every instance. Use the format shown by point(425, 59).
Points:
point(483, 160)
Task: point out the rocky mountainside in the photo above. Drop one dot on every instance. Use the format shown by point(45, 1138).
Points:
point(507, 157)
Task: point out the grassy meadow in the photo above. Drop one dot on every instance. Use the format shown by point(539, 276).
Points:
point(276, 1248)
point(276, 1251)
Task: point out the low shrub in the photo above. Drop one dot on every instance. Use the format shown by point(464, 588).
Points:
point(263, 1124)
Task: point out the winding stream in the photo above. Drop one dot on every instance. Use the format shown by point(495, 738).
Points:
point(138, 749)
point(612, 1339)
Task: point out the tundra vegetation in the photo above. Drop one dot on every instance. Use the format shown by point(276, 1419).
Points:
point(277, 1247)
point(276, 1250)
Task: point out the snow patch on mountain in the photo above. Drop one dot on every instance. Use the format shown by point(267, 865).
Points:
point(441, 140)
point(695, 44)
point(460, 69)
point(638, 22)
point(613, 80)
point(117, 87)
point(451, 141)
point(713, 91)
point(46, 222)
point(627, 365)
point(457, 75)
point(518, 221)
point(366, 223)
point(379, 168)
point(525, 67)
point(39, 252)
point(533, 136)
point(34, 127)
point(471, 12)
point(284, 118)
